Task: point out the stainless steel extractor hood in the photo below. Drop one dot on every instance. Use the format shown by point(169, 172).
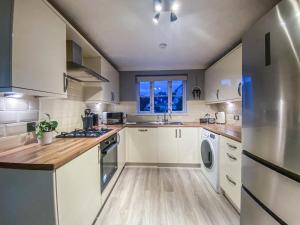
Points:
point(75, 69)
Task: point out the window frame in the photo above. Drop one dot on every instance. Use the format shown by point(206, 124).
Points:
point(152, 79)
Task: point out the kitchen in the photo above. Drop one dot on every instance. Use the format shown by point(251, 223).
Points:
point(103, 122)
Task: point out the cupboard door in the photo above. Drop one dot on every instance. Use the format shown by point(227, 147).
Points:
point(38, 48)
point(188, 146)
point(212, 88)
point(78, 189)
point(167, 145)
point(230, 75)
point(142, 145)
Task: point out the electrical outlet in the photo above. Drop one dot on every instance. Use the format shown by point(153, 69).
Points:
point(236, 117)
point(31, 127)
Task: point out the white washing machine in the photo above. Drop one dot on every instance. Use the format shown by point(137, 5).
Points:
point(210, 157)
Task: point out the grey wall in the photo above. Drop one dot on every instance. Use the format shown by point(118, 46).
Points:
point(128, 85)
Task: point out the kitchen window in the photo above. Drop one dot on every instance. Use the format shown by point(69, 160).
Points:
point(160, 94)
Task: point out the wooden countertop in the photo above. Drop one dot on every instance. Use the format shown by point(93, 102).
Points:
point(49, 157)
point(63, 150)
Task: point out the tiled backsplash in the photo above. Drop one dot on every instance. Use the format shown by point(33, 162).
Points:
point(15, 113)
point(196, 109)
point(231, 109)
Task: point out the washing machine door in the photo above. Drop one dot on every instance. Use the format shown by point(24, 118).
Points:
point(207, 154)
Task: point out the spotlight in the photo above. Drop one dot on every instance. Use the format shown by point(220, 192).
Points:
point(156, 18)
point(174, 7)
point(173, 17)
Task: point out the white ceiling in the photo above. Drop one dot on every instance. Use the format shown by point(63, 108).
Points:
point(124, 31)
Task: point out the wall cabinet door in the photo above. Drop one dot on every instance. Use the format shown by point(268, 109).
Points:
point(223, 79)
point(122, 149)
point(167, 144)
point(38, 48)
point(107, 92)
point(78, 189)
point(142, 145)
point(188, 142)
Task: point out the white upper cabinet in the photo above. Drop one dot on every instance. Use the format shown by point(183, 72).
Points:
point(35, 49)
point(107, 92)
point(223, 79)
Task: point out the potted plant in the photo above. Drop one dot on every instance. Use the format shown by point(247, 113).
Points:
point(44, 130)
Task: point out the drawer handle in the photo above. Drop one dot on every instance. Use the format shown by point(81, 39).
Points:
point(230, 180)
point(231, 146)
point(143, 130)
point(231, 156)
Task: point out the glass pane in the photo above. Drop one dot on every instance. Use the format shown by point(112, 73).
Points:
point(177, 95)
point(177, 87)
point(145, 93)
point(160, 96)
point(177, 104)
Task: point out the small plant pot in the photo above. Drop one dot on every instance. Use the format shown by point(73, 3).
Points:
point(46, 139)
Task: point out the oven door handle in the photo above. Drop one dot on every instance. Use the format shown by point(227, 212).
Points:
point(109, 149)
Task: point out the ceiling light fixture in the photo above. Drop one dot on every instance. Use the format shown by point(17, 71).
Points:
point(156, 18)
point(173, 17)
point(165, 6)
point(174, 7)
point(157, 6)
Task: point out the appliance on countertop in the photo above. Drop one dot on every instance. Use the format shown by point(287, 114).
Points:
point(92, 133)
point(87, 119)
point(220, 117)
point(271, 128)
point(95, 119)
point(109, 159)
point(210, 157)
point(111, 118)
point(208, 119)
point(76, 70)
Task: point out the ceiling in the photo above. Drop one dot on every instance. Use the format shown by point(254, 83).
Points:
point(124, 31)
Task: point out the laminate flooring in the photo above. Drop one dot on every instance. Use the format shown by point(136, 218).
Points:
point(165, 196)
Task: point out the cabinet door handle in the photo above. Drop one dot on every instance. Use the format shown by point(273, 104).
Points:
point(231, 156)
point(66, 82)
point(99, 150)
point(118, 138)
point(239, 89)
point(217, 94)
point(230, 180)
point(143, 130)
point(176, 133)
point(231, 146)
point(179, 133)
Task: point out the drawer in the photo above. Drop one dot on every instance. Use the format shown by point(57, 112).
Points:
point(232, 188)
point(230, 145)
point(231, 164)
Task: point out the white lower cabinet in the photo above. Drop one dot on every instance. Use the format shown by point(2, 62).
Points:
point(163, 145)
point(188, 142)
point(78, 189)
point(142, 145)
point(230, 169)
point(167, 144)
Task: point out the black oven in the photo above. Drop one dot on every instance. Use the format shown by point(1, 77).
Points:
point(109, 159)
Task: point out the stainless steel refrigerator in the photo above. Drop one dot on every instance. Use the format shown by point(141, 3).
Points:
point(271, 118)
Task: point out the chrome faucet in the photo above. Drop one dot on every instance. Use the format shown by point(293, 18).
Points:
point(169, 113)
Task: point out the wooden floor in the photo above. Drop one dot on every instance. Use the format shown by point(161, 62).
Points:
point(165, 196)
